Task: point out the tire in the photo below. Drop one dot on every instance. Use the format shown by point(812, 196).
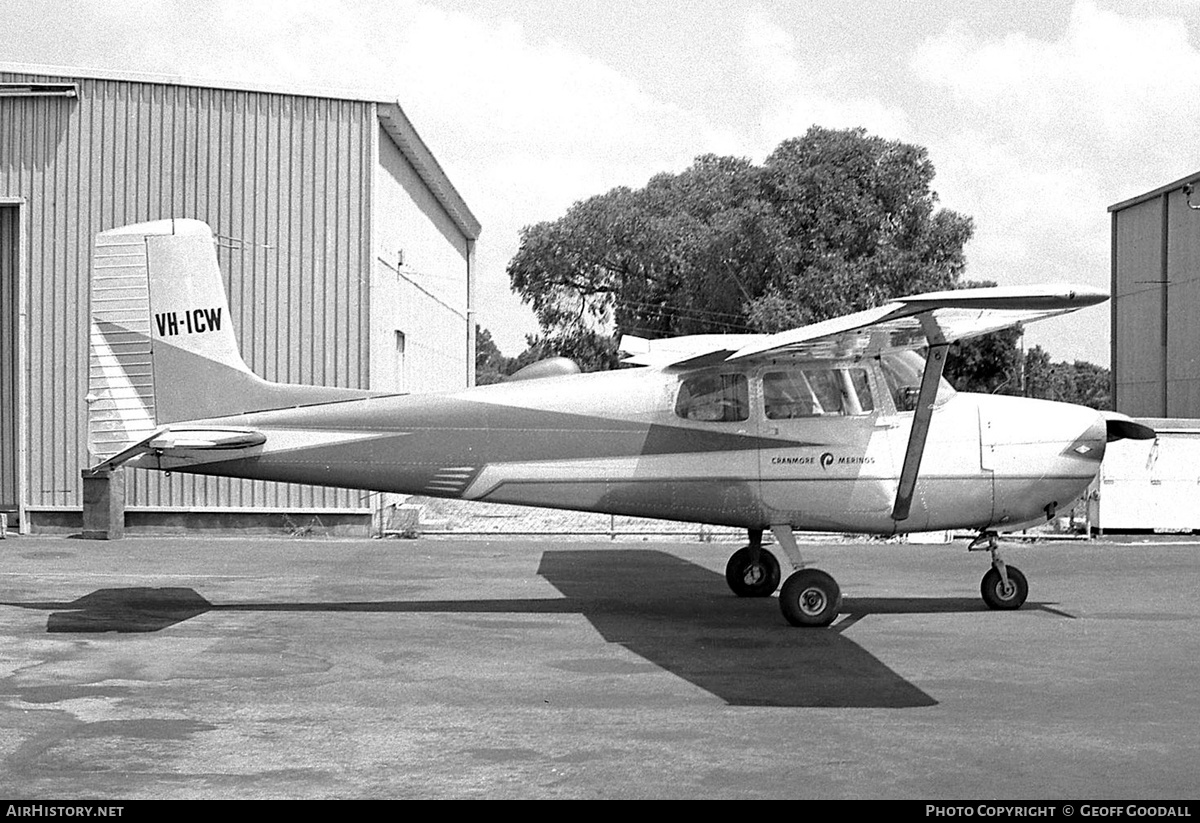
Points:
point(750, 578)
point(810, 598)
point(994, 594)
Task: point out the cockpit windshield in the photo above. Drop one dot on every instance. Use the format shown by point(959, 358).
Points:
point(902, 371)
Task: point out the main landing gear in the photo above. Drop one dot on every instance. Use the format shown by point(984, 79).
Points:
point(753, 571)
point(809, 597)
point(1003, 587)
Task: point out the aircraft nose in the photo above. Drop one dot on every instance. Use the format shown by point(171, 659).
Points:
point(1091, 444)
point(1084, 434)
point(1043, 455)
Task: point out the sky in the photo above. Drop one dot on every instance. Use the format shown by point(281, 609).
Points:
point(1038, 116)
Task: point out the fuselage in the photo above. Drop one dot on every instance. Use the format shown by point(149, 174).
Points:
point(816, 445)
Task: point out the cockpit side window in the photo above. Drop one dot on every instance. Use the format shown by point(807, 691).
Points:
point(714, 398)
point(902, 371)
point(812, 392)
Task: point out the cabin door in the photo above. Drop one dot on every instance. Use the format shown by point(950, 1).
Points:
point(830, 466)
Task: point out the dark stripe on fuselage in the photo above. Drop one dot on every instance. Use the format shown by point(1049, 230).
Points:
point(457, 431)
point(419, 436)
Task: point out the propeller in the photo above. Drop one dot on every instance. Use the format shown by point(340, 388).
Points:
point(1122, 427)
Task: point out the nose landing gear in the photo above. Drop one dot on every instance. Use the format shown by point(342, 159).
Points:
point(1004, 586)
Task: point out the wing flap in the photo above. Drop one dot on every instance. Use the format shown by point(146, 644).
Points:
point(679, 352)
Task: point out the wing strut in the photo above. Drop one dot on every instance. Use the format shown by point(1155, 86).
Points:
point(935, 362)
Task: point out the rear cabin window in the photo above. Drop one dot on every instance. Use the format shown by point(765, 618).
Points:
point(815, 392)
point(714, 398)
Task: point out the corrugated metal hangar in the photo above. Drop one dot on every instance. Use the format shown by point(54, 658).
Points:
point(1156, 302)
point(347, 254)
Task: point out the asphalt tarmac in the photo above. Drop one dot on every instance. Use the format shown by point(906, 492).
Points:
point(282, 668)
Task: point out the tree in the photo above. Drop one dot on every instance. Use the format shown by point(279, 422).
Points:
point(490, 365)
point(1082, 383)
point(990, 364)
point(1093, 385)
point(832, 222)
point(862, 227)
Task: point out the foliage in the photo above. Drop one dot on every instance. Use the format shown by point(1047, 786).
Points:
point(490, 365)
point(593, 352)
point(989, 364)
point(833, 222)
point(1083, 383)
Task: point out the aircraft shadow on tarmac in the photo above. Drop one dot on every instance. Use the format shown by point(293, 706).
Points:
point(671, 612)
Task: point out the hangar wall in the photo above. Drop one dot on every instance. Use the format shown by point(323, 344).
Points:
point(9, 357)
point(1155, 300)
point(287, 181)
point(420, 284)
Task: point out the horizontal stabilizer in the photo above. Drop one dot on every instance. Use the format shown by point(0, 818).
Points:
point(206, 439)
point(191, 439)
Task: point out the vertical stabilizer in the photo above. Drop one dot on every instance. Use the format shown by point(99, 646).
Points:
point(162, 346)
point(189, 312)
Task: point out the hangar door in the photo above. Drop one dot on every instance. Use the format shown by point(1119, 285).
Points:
point(8, 357)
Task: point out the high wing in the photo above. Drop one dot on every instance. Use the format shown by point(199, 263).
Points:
point(907, 323)
point(932, 321)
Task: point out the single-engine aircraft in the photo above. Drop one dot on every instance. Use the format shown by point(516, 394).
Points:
point(841, 425)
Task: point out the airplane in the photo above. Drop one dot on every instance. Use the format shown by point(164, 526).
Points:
point(839, 426)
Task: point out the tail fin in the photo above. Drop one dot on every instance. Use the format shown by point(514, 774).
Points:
point(162, 342)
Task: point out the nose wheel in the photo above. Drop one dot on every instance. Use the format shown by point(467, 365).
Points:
point(1003, 587)
point(999, 593)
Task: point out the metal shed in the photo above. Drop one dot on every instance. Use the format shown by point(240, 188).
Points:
point(1155, 302)
point(347, 253)
point(1149, 485)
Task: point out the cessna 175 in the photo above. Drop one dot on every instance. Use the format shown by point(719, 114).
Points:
point(837, 426)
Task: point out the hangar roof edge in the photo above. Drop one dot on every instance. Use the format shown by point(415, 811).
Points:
point(396, 123)
point(391, 117)
point(330, 92)
point(1161, 190)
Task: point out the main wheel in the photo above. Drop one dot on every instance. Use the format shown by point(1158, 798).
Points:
point(751, 577)
point(810, 597)
point(997, 596)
